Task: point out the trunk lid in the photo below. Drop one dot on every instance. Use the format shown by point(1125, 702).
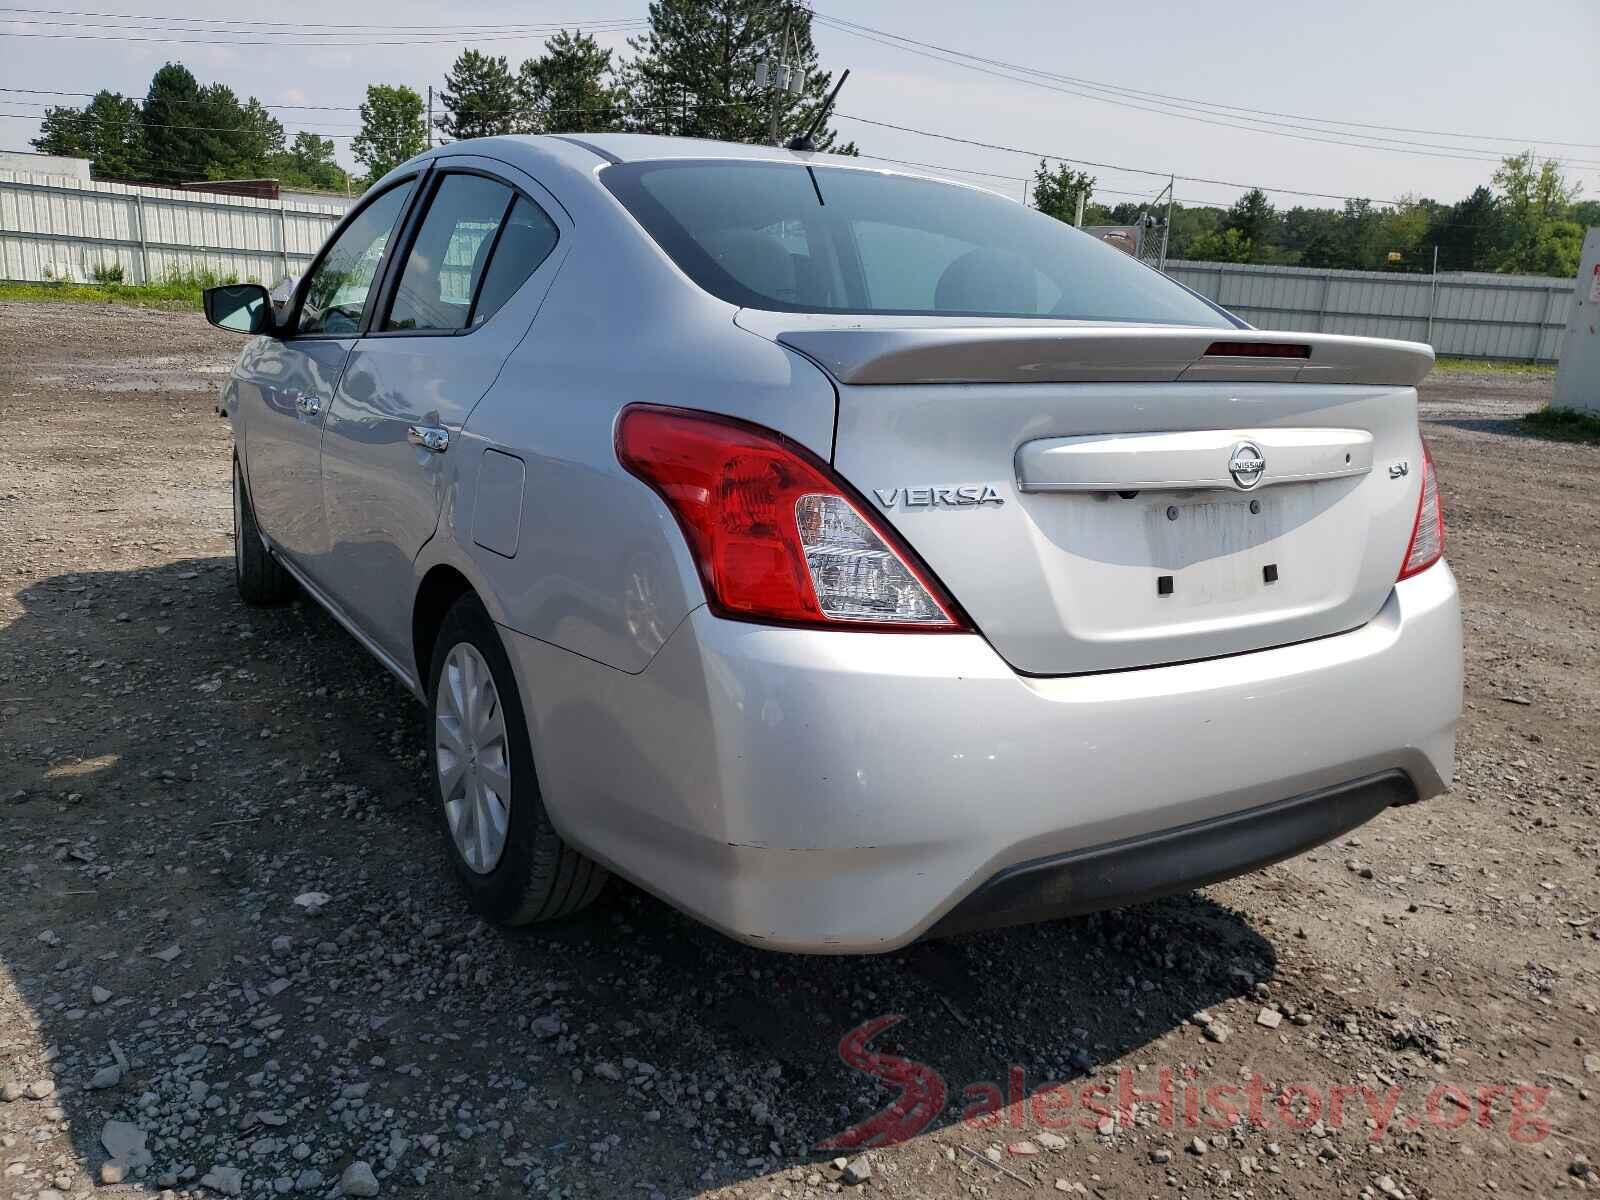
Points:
point(1102, 497)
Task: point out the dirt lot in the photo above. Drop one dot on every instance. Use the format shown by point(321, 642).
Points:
point(176, 770)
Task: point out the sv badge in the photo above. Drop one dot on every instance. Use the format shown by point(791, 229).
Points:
point(964, 496)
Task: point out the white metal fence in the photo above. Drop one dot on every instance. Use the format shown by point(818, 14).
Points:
point(1466, 314)
point(55, 227)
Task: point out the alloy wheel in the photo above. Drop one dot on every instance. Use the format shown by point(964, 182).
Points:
point(473, 758)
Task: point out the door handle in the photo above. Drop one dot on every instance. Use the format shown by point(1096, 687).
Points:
point(429, 437)
point(309, 405)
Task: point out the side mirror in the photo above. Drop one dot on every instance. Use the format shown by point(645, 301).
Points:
point(240, 308)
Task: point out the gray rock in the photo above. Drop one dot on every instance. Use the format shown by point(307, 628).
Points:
point(1198, 1146)
point(122, 1139)
point(40, 1089)
point(1216, 1031)
point(857, 1171)
point(1270, 1017)
point(99, 994)
point(1051, 1141)
point(227, 1180)
point(10, 1091)
point(1161, 1155)
point(115, 1171)
point(170, 954)
point(106, 1077)
point(358, 1180)
point(609, 1071)
point(309, 1180)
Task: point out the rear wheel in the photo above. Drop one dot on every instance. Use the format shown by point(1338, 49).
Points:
point(514, 865)
point(260, 578)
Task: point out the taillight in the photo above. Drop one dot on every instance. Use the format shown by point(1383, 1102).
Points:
point(776, 535)
point(1427, 532)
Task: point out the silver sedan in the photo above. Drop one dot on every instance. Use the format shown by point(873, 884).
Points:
point(842, 554)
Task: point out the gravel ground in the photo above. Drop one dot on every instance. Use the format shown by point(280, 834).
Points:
point(232, 960)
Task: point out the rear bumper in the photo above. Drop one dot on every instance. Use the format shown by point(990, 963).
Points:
point(1174, 860)
point(843, 792)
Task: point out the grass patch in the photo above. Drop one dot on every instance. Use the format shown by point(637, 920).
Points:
point(1484, 366)
point(178, 292)
point(1564, 425)
point(173, 297)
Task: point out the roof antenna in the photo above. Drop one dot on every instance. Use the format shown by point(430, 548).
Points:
point(804, 142)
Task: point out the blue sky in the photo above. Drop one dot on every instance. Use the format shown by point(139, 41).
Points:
point(1446, 68)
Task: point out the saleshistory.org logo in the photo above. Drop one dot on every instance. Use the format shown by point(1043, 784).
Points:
point(1173, 1099)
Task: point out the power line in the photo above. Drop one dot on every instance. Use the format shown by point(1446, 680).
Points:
point(325, 45)
point(136, 99)
point(1413, 149)
point(851, 27)
point(301, 25)
point(1104, 166)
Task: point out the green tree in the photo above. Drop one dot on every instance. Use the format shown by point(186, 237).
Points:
point(246, 140)
point(1470, 234)
point(1257, 223)
point(392, 129)
point(1188, 224)
point(480, 97)
point(63, 131)
point(1402, 230)
point(1536, 200)
point(1360, 234)
point(571, 86)
point(1055, 191)
point(176, 145)
point(694, 73)
point(1222, 245)
point(1310, 237)
point(309, 163)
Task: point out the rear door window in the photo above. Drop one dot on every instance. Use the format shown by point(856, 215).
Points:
point(449, 255)
point(478, 243)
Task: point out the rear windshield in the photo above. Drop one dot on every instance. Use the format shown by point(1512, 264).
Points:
point(800, 238)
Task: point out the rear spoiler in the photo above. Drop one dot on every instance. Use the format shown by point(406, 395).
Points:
point(874, 354)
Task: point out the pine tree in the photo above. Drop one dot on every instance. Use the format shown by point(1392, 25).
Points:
point(570, 87)
point(480, 97)
point(63, 131)
point(695, 71)
point(176, 146)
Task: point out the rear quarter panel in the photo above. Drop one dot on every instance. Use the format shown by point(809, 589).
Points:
point(601, 567)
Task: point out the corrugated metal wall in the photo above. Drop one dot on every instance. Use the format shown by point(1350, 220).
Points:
point(53, 227)
point(1457, 313)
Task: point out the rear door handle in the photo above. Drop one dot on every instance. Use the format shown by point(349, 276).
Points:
point(309, 405)
point(429, 437)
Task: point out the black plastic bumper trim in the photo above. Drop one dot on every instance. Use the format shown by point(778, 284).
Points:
point(1145, 868)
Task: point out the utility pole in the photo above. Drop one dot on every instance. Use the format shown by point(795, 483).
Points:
point(780, 84)
point(430, 116)
point(1166, 227)
point(1077, 221)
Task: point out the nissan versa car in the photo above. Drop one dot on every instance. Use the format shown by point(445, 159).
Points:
point(844, 555)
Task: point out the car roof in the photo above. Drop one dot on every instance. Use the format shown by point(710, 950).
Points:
point(647, 147)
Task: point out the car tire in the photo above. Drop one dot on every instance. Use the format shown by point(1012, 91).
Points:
point(515, 867)
point(260, 578)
